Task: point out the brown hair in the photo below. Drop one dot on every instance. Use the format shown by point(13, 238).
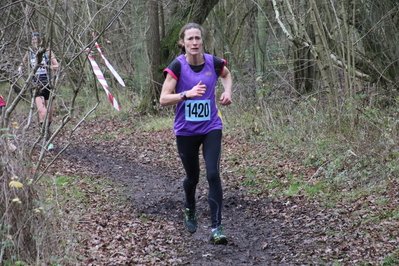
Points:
point(38, 35)
point(182, 33)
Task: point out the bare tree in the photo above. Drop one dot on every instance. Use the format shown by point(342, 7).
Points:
point(161, 48)
point(354, 36)
point(67, 29)
point(149, 99)
point(194, 11)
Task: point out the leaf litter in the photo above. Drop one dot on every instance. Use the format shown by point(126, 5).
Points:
point(137, 218)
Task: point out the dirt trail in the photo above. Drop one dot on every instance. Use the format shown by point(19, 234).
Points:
point(157, 194)
point(260, 231)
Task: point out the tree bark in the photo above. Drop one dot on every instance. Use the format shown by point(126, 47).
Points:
point(153, 48)
point(196, 12)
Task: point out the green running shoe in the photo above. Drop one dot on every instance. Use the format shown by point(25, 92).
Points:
point(217, 236)
point(191, 220)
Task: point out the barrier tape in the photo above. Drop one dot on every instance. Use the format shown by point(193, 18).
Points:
point(102, 80)
point(113, 71)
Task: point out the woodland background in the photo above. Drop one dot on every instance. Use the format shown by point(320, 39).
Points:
point(315, 79)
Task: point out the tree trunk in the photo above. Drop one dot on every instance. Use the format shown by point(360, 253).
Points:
point(151, 96)
point(304, 70)
point(196, 12)
point(138, 20)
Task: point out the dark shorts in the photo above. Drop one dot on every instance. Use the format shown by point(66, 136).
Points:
point(42, 87)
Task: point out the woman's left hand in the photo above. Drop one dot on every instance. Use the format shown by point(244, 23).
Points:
point(225, 98)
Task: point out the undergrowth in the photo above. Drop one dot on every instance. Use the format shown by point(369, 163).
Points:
point(340, 150)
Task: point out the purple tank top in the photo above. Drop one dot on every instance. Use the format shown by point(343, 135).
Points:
point(197, 116)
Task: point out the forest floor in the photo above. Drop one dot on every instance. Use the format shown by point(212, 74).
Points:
point(131, 212)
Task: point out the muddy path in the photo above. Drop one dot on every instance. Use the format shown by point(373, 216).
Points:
point(290, 231)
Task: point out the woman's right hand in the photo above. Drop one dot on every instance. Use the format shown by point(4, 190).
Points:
point(197, 91)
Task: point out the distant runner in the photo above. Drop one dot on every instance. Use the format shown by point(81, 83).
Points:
point(42, 79)
point(190, 82)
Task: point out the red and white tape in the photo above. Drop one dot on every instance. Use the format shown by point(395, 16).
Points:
point(102, 80)
point(110, 67)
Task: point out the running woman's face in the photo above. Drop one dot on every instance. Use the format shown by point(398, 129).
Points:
point(35, 41)
point(193, 41)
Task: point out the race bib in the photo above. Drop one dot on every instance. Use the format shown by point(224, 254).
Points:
point(198, 110)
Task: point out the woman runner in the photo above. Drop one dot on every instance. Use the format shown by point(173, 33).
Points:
point(48, 64)
point(190, 82)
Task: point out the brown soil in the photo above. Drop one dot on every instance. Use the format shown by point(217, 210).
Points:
point(145, 227)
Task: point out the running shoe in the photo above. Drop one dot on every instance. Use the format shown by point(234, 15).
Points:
point(191, 220)
point(50, 147)
point(217, 236)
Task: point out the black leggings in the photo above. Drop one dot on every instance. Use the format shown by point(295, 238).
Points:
point(188, 148)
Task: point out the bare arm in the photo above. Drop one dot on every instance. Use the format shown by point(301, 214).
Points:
point(169, 97)
point(54, 62)
point(24, 60)
point(225, 98)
